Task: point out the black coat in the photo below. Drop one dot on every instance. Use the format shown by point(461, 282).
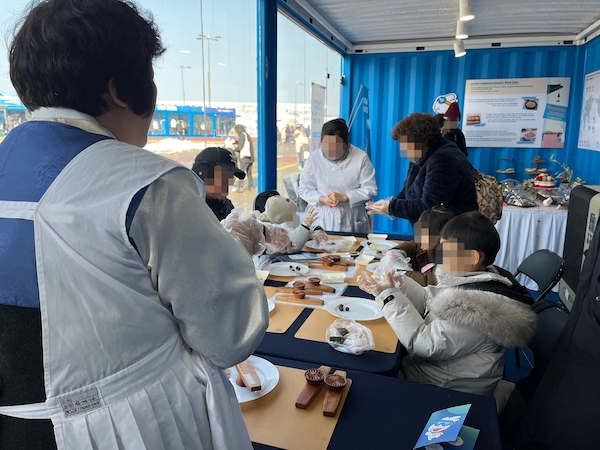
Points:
point(565, 409)
point(442, 175)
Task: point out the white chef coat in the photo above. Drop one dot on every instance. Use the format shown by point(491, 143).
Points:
point(354, 176)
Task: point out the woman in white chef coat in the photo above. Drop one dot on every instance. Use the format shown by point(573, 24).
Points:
point(337, 180)
point(118, 310)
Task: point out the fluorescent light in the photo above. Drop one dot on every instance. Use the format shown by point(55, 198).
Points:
point(184, 51)
point(465, 13)
point(462, 30)
point(459, 48)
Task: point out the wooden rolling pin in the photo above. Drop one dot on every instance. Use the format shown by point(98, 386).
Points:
point(289, 290)
point(304, 301)
point(333, 398)
point(309, 392)
point(314, 265)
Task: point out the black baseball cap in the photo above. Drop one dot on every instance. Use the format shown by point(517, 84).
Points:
point(221, 157)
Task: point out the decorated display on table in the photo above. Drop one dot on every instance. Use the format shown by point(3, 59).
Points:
point(544, 181)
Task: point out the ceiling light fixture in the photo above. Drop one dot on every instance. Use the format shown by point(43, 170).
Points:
point(459, 48)
point(462, 30)
point(465, 12)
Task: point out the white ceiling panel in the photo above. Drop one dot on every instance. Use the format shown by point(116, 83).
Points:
point(367, 22)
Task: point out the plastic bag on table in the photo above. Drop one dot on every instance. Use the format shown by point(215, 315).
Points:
point(336, 245)
point(394, 262)
point(348, 336)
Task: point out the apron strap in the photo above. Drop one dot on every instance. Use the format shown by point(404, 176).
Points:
point(29, 411)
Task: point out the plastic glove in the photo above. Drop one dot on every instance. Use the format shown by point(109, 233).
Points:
point(320, 236)
point(378, 207)
point(247, 231)
point(310, 216)
point(372, 286)
point(277, 239)
point(395, 260)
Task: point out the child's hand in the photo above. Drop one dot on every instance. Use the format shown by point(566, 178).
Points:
point(368, 284)
point(310, 217)
point(320, 236)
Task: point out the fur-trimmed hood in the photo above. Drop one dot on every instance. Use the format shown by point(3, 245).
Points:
point(508, 322)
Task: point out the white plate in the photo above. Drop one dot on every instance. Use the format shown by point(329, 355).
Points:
point(359, 308)
point(288, 269)
point(379, 245)
point(271, 304)
point(266, 371)
point(371, 267)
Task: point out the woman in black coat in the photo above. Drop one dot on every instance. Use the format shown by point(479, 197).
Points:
point(438, 172)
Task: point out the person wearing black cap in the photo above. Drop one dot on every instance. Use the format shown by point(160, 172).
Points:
point(216, 166)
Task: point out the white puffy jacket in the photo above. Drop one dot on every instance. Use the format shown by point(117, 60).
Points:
point(456, 338)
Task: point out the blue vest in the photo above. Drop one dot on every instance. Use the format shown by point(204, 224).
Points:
point(31, 157)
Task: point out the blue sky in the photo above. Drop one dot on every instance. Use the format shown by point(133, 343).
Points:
point(301, 58)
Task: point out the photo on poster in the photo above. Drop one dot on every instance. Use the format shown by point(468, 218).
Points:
point(516, 112)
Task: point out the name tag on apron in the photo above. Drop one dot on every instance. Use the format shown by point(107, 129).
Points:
point(81, 402)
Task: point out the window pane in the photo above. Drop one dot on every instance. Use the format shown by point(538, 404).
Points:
point(307, 69)
point(201, 95)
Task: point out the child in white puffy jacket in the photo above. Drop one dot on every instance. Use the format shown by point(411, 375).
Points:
point(455, 332)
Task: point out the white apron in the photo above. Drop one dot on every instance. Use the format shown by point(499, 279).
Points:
point(117, 373)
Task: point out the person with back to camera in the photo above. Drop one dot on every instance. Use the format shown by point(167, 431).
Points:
point(216, 167)
point(117, 315)
point(337, 180)
point(438, 172)
point(448, 123)
point(427, 230)
point(456, 333)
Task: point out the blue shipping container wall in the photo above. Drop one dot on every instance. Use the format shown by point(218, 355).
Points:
point(403, 83)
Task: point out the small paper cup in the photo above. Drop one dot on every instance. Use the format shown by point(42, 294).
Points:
point(364, 259)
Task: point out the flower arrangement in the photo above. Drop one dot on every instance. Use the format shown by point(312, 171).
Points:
point(566, 176)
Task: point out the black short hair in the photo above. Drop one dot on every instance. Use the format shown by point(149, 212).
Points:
point(476, 232)
point(436, 217)
point(336, 127)
point(65, 52)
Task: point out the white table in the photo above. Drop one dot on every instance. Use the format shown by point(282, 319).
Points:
point(525, 230)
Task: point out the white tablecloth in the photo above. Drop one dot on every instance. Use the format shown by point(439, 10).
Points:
point(525, 230)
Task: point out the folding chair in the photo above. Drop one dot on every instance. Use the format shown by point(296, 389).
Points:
point(545, 268)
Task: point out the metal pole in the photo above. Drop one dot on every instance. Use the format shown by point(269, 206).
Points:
point(182, 83)
point(208, 39)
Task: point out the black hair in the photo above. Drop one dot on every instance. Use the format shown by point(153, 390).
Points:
point(436, 217)
point(440, 119)
point(336, 127)
point(65, 53)
point(476, 232)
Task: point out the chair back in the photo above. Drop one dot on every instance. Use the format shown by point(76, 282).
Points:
point(545, 268)
point(551, 321)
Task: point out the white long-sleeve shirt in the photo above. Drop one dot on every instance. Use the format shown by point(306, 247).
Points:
point(354, 176)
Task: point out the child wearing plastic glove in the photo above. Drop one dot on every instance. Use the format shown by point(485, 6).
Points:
point(427, 230)
point(282, 211)
point(393, 262)
point(456, 333)
point(256, 237)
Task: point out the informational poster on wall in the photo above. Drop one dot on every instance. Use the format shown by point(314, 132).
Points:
point(317, 115)
point(516, 112)
point(589, 127)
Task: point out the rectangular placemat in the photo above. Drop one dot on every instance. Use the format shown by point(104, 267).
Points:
point(274, 419)
point(283, 316)
point(314, 327)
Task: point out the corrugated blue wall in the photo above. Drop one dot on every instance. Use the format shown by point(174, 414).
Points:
point(403, 83)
